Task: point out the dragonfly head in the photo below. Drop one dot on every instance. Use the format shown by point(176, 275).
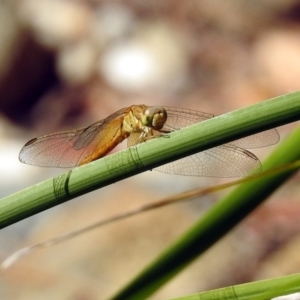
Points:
point(154, 117)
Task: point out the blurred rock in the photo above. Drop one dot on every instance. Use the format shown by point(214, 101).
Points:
point(29, 74)
point(110, 22)
point(284, 261)
point(276, 57)
point(10, 33)
point(76, 62)
point(55, 22)
point(154, 58)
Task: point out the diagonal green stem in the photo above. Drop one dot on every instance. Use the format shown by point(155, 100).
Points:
point(199, 137)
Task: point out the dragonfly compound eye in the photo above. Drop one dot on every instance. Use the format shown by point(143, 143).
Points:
point(154, 117)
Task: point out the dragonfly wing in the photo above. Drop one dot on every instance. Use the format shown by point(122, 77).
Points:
point(53, 150)
point(181, 117)
point(133, 139)
point(87, 135)
point(91, 132)
point(222, 161)
point(261, 139)
point(70, 148)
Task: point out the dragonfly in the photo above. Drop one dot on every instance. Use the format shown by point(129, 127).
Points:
point(137, 124)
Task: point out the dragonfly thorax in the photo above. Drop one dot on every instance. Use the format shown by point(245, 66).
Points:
point(142, 118)
point(132, 123)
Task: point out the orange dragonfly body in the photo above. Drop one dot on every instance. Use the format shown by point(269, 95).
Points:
point(139, 123)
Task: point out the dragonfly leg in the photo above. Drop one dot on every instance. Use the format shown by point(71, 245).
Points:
point(156, 134)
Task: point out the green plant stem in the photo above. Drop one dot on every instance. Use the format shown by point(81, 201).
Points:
point(259, 290)
point(146, 156)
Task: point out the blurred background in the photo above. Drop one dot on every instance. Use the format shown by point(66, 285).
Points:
point(65, 64)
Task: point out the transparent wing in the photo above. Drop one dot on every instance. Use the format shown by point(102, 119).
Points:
point(228, 160)
point(53, 150)
point(181, 117)
point(223, 161)
point(69, 148)
point(133, 139)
